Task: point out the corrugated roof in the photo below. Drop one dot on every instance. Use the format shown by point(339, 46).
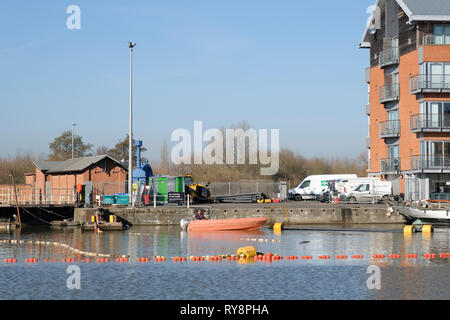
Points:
point(424, 8)
point(71, 165)
point(416, 10)
point(44, 165)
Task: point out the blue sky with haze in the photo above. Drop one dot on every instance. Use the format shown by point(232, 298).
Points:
point(291, 65)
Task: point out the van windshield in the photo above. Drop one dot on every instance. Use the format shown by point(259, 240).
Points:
point(305, 184)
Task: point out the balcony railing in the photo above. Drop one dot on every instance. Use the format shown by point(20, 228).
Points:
point(431, 39)
point(390, 129)
point(390, 165)
point(430, 123)
point(390, 93)
point(368, 75)
point(368, 109)
point(430, 83)
point(437, 163)
point(389, 57)
point(367, 142)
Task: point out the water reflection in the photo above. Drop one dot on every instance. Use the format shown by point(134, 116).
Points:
point(402, 278)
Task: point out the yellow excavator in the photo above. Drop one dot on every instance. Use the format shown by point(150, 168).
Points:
point(199, 193)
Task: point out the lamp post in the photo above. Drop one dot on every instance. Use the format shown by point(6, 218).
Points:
point(130, 133)
point(73, 126)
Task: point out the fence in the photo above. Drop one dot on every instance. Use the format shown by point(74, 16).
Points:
point(270, 188)
point(26, 194)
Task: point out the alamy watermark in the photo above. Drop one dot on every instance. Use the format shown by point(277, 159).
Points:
point(374, 280)
point(238, 146)
point(74, 20)
point(74, 280)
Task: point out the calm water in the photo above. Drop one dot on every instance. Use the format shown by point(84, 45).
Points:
point(301, 279)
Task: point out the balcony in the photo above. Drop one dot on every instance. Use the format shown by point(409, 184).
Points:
point(368, 109)
point(431, 163)
point(430, 123)
point(430, 39)
point(389, 57)
point(435, 83)
point(390, 166)
point(367, 142)
point(368, 75)
point(390, 129)
point(390, 93)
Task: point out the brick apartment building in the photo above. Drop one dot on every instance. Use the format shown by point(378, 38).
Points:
point(409, 96)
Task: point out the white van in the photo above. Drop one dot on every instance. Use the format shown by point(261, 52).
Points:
point(314, 186)
point(369, 192)
point(346, 185)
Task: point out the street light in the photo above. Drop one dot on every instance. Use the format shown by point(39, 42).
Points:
point(73, 126)
point(130, 133)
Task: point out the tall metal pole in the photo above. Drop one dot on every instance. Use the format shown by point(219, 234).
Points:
point(73, 125)
point(130, 132)
point(17, 201)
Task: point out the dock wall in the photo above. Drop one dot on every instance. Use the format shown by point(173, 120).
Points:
point(289, 216)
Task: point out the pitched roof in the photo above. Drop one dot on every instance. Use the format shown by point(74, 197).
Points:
point(429, 10)
point(71, 165)
point(416, 10)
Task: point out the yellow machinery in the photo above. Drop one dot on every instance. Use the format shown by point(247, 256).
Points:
point(199, 193)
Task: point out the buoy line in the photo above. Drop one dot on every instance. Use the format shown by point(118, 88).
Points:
point(62, 245)
point(260, 240)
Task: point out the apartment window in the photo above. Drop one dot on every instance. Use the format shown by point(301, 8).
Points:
point(435, 114)
point(435, 148)
point(435, 75)
point(393, 120)
point(393, 152)
point(441, 34)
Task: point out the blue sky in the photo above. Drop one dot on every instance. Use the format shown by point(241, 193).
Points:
point(291, 65)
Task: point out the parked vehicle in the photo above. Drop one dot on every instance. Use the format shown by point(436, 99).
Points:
point(312, 187)
point(346, 185)
point(369, 192)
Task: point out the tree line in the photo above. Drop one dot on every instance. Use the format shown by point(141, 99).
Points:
point(293, 167)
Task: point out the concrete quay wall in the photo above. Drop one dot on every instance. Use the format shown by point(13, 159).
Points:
point(325, 214)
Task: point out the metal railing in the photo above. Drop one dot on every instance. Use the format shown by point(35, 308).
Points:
point(271, 188)
point(430, 122)
point(430, 162)
point(368, 75)
point(390, 93)
point(29, 195)
point(430, 82)
point(390, 129)
point(389, 56)
point(431, 39)
point(368, 109)
point(390, 165)
point(367, 142)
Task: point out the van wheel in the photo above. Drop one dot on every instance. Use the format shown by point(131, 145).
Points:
point(298, 197)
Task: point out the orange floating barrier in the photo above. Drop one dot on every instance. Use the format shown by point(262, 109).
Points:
point(429, 256)
point(378, 256)
point(342, 256)
point(357, 256)
point(324, 257)
point(306, 257)
point(411, 256)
